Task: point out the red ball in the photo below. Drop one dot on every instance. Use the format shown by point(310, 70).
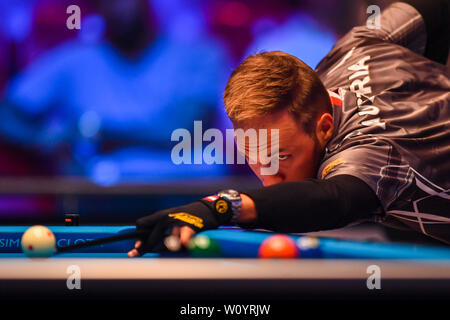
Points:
point(278, 246)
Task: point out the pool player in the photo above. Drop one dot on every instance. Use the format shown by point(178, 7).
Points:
point(363, 137)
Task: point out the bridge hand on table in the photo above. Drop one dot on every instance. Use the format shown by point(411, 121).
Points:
point(184, 234)
point(183, 222)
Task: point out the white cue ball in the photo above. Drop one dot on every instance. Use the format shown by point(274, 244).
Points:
point(38, 241)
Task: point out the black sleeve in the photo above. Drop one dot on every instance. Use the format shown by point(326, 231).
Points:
point(313, 205)
point(436, 15)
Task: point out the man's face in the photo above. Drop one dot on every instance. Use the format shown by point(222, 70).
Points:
point(298, 153)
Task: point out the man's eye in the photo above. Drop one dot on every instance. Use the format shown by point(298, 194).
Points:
point(283, 156)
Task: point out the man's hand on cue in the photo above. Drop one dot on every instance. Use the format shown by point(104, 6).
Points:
point(184, 222)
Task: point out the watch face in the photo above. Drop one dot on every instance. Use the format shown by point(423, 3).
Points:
point(230, 194)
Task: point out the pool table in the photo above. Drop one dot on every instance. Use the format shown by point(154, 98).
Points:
point(340, 271)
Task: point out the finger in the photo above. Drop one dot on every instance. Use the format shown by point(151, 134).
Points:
point(175, 231)
point(133, 253)
point(156, 236)
point(138, 244)
point(186, 233)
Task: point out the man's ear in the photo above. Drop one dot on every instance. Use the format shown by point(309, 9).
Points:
point(324, 129)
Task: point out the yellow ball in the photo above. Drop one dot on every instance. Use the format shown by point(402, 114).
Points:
point(38, 241)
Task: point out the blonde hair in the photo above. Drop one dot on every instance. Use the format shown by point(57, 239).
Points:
point(270, 81)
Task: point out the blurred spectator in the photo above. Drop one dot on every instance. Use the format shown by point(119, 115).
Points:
point(103, 101)
point(300, 35)
point(105, 104)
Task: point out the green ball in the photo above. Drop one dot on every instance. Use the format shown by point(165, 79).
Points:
point(204, 247)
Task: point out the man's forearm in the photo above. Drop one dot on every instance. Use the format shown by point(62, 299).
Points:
point(248, 210)
point(309, 205)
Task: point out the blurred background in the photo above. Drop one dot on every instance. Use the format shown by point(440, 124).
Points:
point(86, 115)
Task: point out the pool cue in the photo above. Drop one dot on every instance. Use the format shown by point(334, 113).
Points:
point(96, 242)
point(173, 245)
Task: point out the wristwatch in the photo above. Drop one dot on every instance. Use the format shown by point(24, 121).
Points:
point(234, 197)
